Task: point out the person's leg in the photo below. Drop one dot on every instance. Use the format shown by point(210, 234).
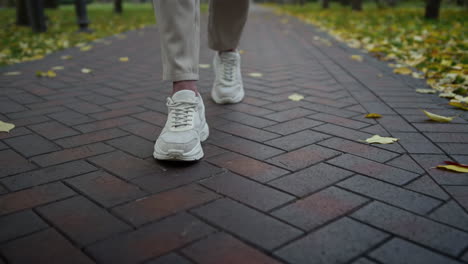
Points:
point(226, 22)
point(185, 128)
point(178, 23)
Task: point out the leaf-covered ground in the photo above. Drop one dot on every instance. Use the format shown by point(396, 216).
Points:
point(19, 44)
point(434, 50)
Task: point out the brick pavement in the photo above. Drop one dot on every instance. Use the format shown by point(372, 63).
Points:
point(282, 181)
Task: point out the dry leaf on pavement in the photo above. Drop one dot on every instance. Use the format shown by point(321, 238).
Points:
point(373, 115)
point(6, 127)
point(295, 97)
point(426, 91)
point(438, 118)
point(255, 74)
point(381, 140)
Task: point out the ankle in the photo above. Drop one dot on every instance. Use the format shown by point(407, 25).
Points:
point(184, 85)
point(229, 50)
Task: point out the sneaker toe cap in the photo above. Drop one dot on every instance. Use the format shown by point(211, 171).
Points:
point(181, 141)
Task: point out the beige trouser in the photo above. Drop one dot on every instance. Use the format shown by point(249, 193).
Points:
point(179, 28)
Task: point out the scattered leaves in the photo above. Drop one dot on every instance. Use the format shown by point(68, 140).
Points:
point(381, 140)
point(373, 115)
point(19, 43)
point(435, 50)
point(295, 97)
point(438, 118)
point(58, 68)
point(6, 127)
point(123, 59)
point(66, 57)
point(204, 66)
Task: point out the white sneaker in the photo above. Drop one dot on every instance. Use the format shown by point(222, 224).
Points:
point(185, 128)
point(227, 87)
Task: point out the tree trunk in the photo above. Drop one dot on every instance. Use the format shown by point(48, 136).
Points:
point(356, 5)
point(432, 9)
point(344, 2)
point(118, 6)
point(51, 3)
point(325, 4)
point(22, 17)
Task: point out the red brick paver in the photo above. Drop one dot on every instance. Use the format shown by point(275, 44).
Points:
point(282, 181)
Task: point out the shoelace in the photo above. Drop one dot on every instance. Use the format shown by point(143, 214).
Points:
point(229, 64)
point(182, 113)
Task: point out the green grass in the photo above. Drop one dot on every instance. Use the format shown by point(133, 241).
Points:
point(19, 44)
point(438, 49)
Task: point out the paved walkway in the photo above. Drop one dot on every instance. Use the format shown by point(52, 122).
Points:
point(282, 181)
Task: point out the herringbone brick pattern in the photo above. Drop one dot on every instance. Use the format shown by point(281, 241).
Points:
point(281, 182)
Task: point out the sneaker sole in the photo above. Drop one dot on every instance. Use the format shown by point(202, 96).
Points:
point(228, 100)
point(195, 154)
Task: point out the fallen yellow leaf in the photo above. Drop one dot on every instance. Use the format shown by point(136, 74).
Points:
point(453, 168)
point(373, 115)
point(426, 91)
point(204, 66)
point(458, 104)
point(357, 57)
point(6, 127)
point(447, 95)
point(51, 74)
point(417, 75)
point(123, 59)
point(86, 70)
point(255, 74)
point(295, 97)
point(403, 70)
point(438, 118)
point(66, 57)
point(86, 48)
point(57, 68)
point(381, 140)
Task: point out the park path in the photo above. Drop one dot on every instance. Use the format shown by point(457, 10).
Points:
point(282, 181)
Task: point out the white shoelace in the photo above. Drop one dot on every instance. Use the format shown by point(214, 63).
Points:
point(229, 65)
point(182, 113)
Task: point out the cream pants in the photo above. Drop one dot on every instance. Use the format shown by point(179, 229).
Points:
point(178, 22)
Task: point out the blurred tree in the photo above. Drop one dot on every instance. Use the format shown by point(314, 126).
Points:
point(22, 18)
point(344, 2)
point(118, 6)
point(392, 3)
point(356, 5)
point(432, 9)
point(51, 3)
point(325, 4)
